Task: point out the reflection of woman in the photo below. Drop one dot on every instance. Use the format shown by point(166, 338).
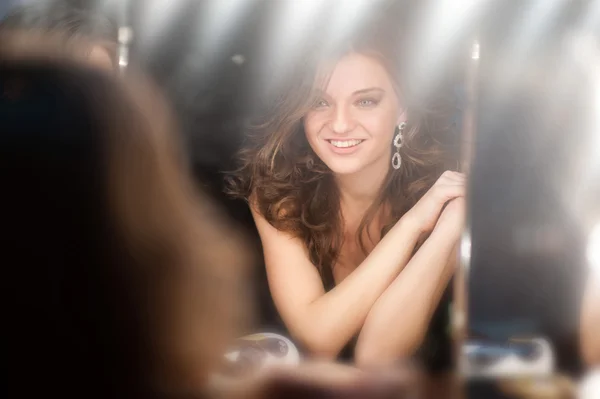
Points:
point(344, 183)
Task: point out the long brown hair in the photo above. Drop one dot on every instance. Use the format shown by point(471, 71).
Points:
point(287, 183)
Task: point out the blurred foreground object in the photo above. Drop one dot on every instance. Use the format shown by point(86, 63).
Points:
point(255, 352)
point(123, 280)
point(514, 358)
point(552, 387)
point(329, 380)
point(72, 24)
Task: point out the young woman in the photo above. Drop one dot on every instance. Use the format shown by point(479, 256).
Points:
point(347, 185)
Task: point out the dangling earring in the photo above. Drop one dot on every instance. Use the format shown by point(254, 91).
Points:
point(398, 142)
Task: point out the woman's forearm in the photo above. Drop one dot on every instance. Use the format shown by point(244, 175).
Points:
point(398, 321)
point(590, 322)
point(337, 316)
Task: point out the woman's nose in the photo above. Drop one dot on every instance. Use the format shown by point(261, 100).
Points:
point(342, 121)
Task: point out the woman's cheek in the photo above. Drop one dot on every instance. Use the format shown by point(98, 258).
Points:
point(380, 127)
point(312, 126)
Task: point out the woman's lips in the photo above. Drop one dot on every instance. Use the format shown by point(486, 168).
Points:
point(347, 146)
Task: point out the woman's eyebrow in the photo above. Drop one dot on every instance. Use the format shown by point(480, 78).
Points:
point(323, 93)
point(368, 90)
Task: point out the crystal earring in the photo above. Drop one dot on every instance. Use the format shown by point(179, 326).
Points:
point(398, 142)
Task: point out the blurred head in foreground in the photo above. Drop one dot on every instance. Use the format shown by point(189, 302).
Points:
point(122, 280)
point(55, 18)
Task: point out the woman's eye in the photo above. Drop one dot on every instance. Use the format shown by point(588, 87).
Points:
point(321, 104)
point(367, 102)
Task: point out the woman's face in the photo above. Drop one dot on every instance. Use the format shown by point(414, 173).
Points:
point(352, 125)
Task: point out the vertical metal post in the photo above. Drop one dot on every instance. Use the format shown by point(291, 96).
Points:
point(459, 318)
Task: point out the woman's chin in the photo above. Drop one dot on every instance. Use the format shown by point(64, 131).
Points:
point(345, 168)
point(345, 165)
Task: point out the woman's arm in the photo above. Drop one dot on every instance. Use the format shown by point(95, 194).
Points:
point(325, 321)
point(398, 322)
point(590, 322)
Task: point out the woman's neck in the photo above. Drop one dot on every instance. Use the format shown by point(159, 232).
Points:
point(359, 190)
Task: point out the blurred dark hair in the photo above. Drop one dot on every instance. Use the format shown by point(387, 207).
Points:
point(59, 17)
point(119, 276)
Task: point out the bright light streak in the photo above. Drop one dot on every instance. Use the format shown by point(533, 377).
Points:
point(348, 16)
point(475, 53)
point(156, 16)
point(580, 63)
point(465, 251)
point(288, 29)
point(593, 250)
point(108, 5)
point(218, 22)
point(596, 116)
point(125, 37)
point(238, 59)
point(586, 52)
point(296, 20)
point(533, 22)
point(442, 24)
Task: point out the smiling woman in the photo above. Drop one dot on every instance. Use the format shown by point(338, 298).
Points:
point(345, 181)
point(356, 115)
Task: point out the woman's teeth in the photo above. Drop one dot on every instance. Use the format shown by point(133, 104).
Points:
point(345, 143)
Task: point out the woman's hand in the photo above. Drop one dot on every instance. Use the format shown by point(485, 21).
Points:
point(424, 215)
point(385, 337)
point(452, 220)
